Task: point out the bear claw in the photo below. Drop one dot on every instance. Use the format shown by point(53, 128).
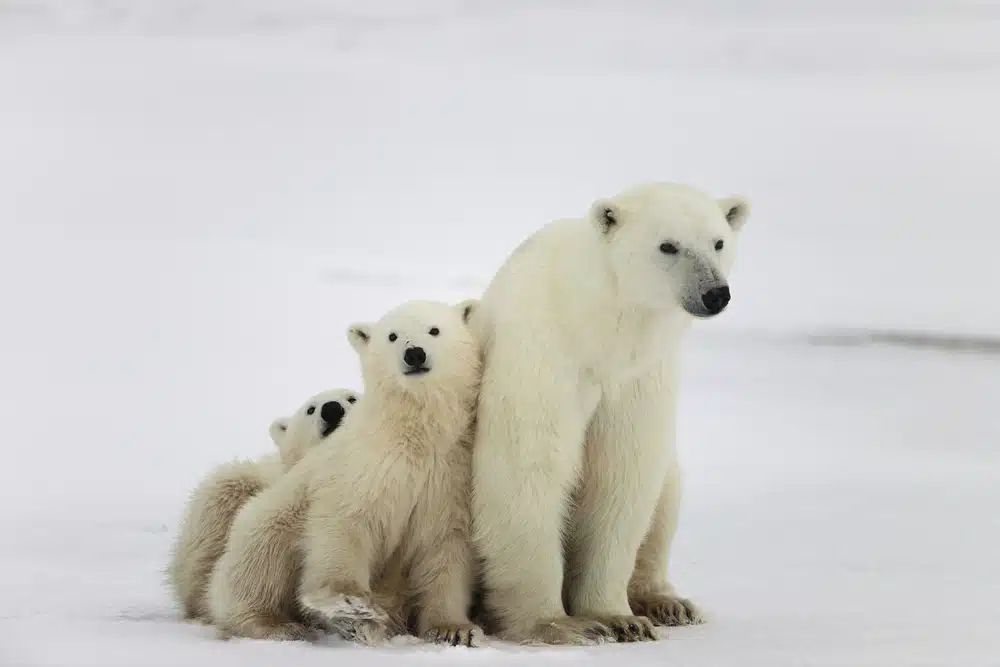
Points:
point(667, 610)
point(464, 634)
point(631, 628)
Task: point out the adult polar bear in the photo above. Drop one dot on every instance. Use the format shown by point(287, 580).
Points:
point(574, 454)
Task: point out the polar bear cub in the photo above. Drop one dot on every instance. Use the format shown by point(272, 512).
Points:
point(214, 503)
point(392, 500)
point(311, 424)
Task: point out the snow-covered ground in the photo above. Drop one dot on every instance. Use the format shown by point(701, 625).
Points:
point(197, 197)
point(841, 510)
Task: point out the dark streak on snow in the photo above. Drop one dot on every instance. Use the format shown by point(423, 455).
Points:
point(912, 339)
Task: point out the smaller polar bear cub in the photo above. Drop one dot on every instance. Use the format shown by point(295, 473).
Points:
point(320, 416)
point(214, 503)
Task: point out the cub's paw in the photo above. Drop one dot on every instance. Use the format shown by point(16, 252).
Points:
point(566, 630)
point(459, 634)
point(630, 628)
point(666, 609)
point(369, 633)
point(336, 607)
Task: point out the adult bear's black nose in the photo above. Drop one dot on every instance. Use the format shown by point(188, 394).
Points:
point(716, 299)
point(414, 357)
point(332, 412)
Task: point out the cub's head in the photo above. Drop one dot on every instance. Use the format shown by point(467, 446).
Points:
point(419, 347)
point(671, 246)
point(318, 417)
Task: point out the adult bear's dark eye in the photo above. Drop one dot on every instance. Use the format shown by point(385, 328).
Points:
point(434, 331)
point(719, 244)
point(668, 249)
point(392, 338)
point(351, 399)
point(312, 409)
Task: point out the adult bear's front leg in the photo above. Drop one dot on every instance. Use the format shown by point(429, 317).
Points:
point(650, 592)
point(627, 455)
point(526, 461)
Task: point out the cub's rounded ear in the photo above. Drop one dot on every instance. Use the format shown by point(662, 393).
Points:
point(467, 308)
point(278, 429)
point(359, 335)
point(736, 209)
point(606, 215)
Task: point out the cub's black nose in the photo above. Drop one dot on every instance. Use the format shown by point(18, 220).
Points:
point(716, 299)
point(332, 412)
point(414, 357)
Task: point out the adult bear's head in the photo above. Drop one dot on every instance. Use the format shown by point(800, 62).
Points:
point(671, 246)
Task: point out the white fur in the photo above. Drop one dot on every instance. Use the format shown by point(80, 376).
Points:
point(582, 329)
point(387, 516)
point(214, 503)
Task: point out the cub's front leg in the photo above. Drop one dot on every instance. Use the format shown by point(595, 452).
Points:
point(252, 589)
point(442, 571)
point(335, 588)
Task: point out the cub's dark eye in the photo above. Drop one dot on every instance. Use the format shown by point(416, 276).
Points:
point(351, 399)
point(668, 249)
point(719, 244)
point(392, 338)
point(434, 331)
point(312, 409)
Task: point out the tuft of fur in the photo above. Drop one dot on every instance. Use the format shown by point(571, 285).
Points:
point(214, 503)
point(372, 541)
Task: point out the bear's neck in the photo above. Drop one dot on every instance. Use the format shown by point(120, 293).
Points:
point(430, 419)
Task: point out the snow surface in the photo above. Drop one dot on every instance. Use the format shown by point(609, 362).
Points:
point(199, 196)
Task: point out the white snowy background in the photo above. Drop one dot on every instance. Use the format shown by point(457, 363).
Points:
point(198, 196)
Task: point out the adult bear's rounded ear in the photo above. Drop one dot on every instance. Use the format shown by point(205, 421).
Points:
point(606, 215)
point(736, 209)
point(467, 308)
point(359, 335)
